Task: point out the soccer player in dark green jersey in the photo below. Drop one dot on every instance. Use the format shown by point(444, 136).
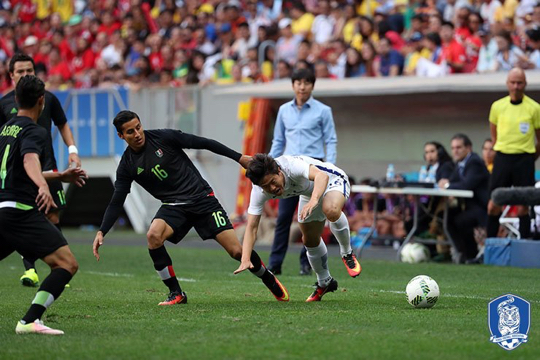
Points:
point(25, 198)
point(155, 160)
point(21, 65)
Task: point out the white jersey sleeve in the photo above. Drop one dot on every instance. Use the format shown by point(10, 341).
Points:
point(256, 201)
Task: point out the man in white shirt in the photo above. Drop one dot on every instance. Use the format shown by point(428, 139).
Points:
point(323, 190)
point(323, 25)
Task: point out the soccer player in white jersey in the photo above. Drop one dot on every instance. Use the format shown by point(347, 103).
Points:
point(323, 190)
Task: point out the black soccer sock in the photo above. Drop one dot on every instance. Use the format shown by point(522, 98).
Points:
point(163, 266)
point(29, 264)
point(258, 267)
point(48, 292)
point(492, 226)
point(525, 226)
point(260, 270)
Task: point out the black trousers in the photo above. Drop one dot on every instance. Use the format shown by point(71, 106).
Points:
point(286, 211)
point(461, 224)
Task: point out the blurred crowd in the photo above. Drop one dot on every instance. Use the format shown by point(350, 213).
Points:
point(96, 43)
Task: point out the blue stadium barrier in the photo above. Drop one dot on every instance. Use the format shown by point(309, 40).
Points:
point(512, 252)
point(90, 113)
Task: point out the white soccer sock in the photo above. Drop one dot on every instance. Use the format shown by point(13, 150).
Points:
point(318, 258)
point(341, 231)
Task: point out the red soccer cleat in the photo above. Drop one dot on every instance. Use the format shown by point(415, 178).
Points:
point(175, 297)
point(353, 266)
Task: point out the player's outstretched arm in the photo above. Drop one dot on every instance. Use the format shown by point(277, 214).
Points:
point(98, 241)
point(32, 166)
point(244, 160)
point(249, 241)
point(73, 175)
point(320, 180)
point(190, 141)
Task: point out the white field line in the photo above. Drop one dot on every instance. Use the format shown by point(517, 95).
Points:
point(129, 275)
point(474, 297)
point(109, 274)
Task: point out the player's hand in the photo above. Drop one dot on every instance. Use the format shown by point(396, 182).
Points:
point(44, 199)
point(98, 241)
point(75, 159)
point(308, 209)
point(76, 176)
point(244, 161)
point(244, 265)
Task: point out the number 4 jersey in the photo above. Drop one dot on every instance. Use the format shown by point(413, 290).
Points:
point(18, 137)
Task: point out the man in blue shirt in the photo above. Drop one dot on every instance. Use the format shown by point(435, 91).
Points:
point(304, 126)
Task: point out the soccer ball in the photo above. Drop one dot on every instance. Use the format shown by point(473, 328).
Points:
point(422, 291)
point(414, 253)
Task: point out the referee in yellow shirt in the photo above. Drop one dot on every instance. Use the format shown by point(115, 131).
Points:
point(514, 122)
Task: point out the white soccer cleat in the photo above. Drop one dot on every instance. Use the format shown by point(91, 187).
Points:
point(37, 327)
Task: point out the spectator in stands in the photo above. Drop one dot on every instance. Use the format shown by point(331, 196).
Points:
point(5, 80)
point(283, 70)
point(418, 51)
point(488, 10)
point(304, 51)
point(389, 62)
point(241, 45)
point(488, 154)
point(353, 68)
point(321, 70)
point(533, 39)
point(452, 51)
point(337, 59)
point(255, 72)
point(323, 24)
point(287, 44)
point(368, 56)
point(302, 21)
point(473, 42)
point(435, 24)
point(470, 173)
point(58, 70)
point(487, 57)
point(508, 55)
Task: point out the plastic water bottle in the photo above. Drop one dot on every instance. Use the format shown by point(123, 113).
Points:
point(431, 177)
point(390, 173)
point(422, 176)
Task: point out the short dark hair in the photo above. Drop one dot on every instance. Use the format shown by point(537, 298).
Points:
point(448, 23)
point(434, 38)
point(20, 57)
point(260, 166)
point(303, 74)
point(123, 117)
point(28, 91)
point(464, 138)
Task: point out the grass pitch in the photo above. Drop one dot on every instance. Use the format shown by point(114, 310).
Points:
point(111, 312)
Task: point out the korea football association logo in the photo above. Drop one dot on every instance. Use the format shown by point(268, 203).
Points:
point(509, 320)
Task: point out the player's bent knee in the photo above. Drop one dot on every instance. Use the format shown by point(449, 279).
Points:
point(236, 253)
point(155, 239)
point(332, 212)
point(73, 266)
